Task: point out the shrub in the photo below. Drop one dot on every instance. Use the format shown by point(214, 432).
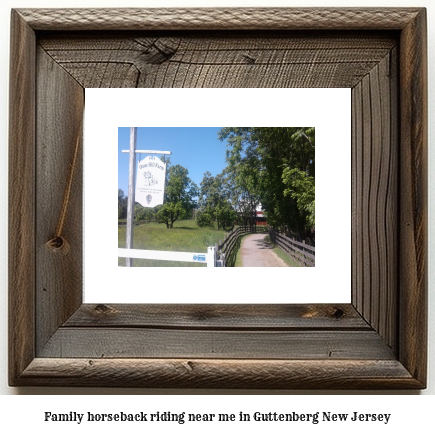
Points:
point(204, 219)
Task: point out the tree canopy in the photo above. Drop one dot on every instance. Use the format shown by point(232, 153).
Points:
point(215, 202)
point(274, 167)
point(180, 193)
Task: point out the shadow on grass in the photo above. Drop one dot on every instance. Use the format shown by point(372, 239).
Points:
point(184, 227)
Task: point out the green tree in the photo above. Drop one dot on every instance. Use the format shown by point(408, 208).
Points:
point(205, 218)
point(122, 204)
point(215, 202)
point(226, 216)
point(139, 212)
point(180, 192)
point(142, 213)
point(275, 167)
point(300, 187)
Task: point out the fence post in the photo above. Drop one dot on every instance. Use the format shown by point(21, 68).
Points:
point(219, 257)
point(211, 257)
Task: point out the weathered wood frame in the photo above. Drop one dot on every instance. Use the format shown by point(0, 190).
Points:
point(377, 341)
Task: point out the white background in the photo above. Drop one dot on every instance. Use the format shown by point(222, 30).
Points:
point(326, 109)
point(412, 413)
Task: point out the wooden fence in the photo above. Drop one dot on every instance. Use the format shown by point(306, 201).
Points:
point(301, 252)
point(227, 250)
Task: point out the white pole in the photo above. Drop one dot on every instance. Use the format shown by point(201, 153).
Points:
point(130, 203)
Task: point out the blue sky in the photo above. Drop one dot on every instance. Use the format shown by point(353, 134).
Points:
point(197, 149)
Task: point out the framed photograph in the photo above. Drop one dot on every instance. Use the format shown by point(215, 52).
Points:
point(375, 341)
point(203, 155)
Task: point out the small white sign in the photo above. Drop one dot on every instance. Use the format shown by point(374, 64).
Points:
point(150, 182)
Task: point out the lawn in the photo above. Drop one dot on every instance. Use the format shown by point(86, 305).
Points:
point(185, 236)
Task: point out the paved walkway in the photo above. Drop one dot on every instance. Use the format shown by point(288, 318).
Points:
point(257, 253)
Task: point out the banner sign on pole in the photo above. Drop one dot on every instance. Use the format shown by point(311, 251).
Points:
point(150, 182)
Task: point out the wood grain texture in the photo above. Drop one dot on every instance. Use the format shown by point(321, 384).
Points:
point(228, 374)
point(413, 187)
point(252, 317)
point(237, 60)
point(392, 299)
point(378, 342)
point(220, 18)
point(375, 198)
point(147, 342)
point(59, 277)
point(21, 197)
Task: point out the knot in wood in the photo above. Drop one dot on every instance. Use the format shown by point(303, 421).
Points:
point(58, 244)
point(338, 313)
point(103, 309)
point(249, 59)
point(158, 52)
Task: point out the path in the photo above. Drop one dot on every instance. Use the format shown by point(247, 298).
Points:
point(258, 253)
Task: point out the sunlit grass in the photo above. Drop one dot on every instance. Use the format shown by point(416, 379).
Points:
point(185, 236)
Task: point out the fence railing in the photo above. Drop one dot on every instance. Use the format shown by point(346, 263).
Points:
point(301, 252)
point(227, 250)
point(209, 258)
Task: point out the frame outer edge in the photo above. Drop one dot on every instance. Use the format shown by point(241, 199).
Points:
point(230, 374)
point(21, 265)
point(413, 220)
point(413, 207)
point(219, 18)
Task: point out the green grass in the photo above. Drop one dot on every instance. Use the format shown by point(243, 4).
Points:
point(282, 254)
point(185, 236)
point(239, 254)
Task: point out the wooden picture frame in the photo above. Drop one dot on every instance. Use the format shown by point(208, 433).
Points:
point(376, 342)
